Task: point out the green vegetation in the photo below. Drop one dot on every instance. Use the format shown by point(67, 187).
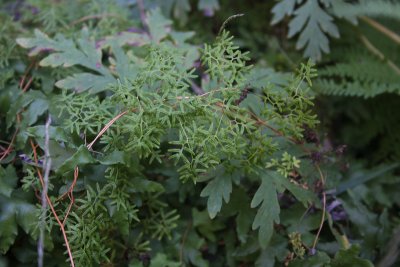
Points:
point(183, 133)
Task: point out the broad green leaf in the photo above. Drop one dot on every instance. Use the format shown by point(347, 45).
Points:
point(67, 53)
point(365, 221)
point(301, 194)
point(277, 249)
point(192, 249)
point(321, 259)
point(349, 257)
point(15, 212)
point(144, 185)
point(36, 108)
point(26, 217)
point(239, 206)
point(34, 97)
point(363, 176)
point(245, 215)
point(81, 157)
point(253, 103)
point(158, 25)
point(161, 260)
point(8, 180)
point(8, 226)
point(116, 157)
point(86, 81)
point(125, 38)
point(216, 190)
point(55, 133)
point(268, 212)
point(59, 153)
point(205, 226)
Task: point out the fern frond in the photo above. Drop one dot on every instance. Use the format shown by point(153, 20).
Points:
point(374, 8)
point(355, 88)
point(362, 75)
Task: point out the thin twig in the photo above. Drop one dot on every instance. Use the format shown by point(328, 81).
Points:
point(72, 186)
point(323, 207)
point(379, 54)
point(9, 148)
point(22, 82)
point(71, 203)
point(47, 166)
point(62, 228)
point(226, 22)
point(27, 85)
point(392, 35)
point(105, 128)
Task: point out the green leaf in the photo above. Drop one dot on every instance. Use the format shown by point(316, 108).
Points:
point(36, 108)
point(277, 249)
point(145, 185)
point(116, 157)
point(204, 225)
point(158, 25)
point(268, 212)
point(26, 217)
point(349, 257)
point(363, 176)
point(23, 101)
point(81, 157)
point(8, 227)
point(55, 133)
point(321, 259)
point(66, 53)
point(86, 81)
point(161, 260)
point(301, 194)
point(253, 103)
point(13, 212)
point(8, 180)
point(239, 204)
point(216, 190)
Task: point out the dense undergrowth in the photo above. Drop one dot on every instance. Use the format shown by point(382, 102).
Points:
point(143, 133)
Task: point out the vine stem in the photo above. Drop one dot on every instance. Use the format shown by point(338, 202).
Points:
point(62, 228)
point(89, 147)
point(43, 181)
point(9, 148)
point(105, 128)
point(323, 207)
point(45, 185)
point(392, 35)
point(379, 54)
